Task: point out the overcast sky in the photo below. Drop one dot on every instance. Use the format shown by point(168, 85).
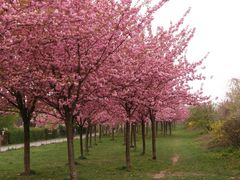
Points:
point(217, 31)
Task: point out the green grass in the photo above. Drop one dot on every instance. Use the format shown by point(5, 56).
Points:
point(106, 160)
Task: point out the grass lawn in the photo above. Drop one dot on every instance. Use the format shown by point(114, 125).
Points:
point(181, 156)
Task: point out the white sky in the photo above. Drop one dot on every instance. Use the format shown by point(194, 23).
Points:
point(217, 31)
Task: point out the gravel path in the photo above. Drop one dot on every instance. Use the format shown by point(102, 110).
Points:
point(35, 144)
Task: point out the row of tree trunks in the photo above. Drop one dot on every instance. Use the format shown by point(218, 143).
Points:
point(113, 129)
point(166, 127)
point(130, 136)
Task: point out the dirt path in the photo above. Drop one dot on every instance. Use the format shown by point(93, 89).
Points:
point(165, 173)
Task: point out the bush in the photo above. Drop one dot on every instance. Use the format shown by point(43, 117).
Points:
point(8, 121)
point(62, 130)
point(231, 130)
point(51, 134)
point(201, 117)
point(16, 136)
point(217, 132)
point(37, 134)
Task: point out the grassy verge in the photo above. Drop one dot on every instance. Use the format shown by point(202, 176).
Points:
point(180, 156)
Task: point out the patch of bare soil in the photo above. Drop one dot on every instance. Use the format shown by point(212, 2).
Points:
point(175, 159)
point(160, 175)
point(164, 174)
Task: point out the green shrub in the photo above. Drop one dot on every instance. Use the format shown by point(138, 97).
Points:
point(16, 136)
point(62, 130)
point(232, 131)
point(37, 134)
point(217, 130)
point(51, 134)
point(8, 121)
point(201, 117)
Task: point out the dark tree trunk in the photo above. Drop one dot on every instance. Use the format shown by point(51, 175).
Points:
point(70, 146)
point(81, 142)
point(154, 156)
point(143, 137)
point(26, 125)
point(165, 128)
point(106, 131)
point(170, 128)
point(95, 134)
point(128, 160)
point(131, 129)
point(153, 122)
point(100, 133)
point(124, 135)
point(90, 133)
point(162, 126)
point(134, 136)
point(113, 134)
point(156, 128)
point(86, 140)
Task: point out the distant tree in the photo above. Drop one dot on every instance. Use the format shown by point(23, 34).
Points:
point(231, 107)
point(201, 116)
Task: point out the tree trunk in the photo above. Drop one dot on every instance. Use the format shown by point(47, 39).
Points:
point(167, 127)
point(124, 135)
point(153, 122)
point(26, 125)
point(112, 134)
point(162, 126)
point(86, 139)
point(134, 136)
point(131, 129)
point(156, 128)
point(90, 133)
point(128, 160)
point(143, 138)
point(95, 134)
point(100, 133)
point(170, 128)
point(81, 142)
point(106, 131)
point(71, 161)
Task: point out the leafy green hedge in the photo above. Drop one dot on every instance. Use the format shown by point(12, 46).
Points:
point(15, 136)
point(8, 121)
